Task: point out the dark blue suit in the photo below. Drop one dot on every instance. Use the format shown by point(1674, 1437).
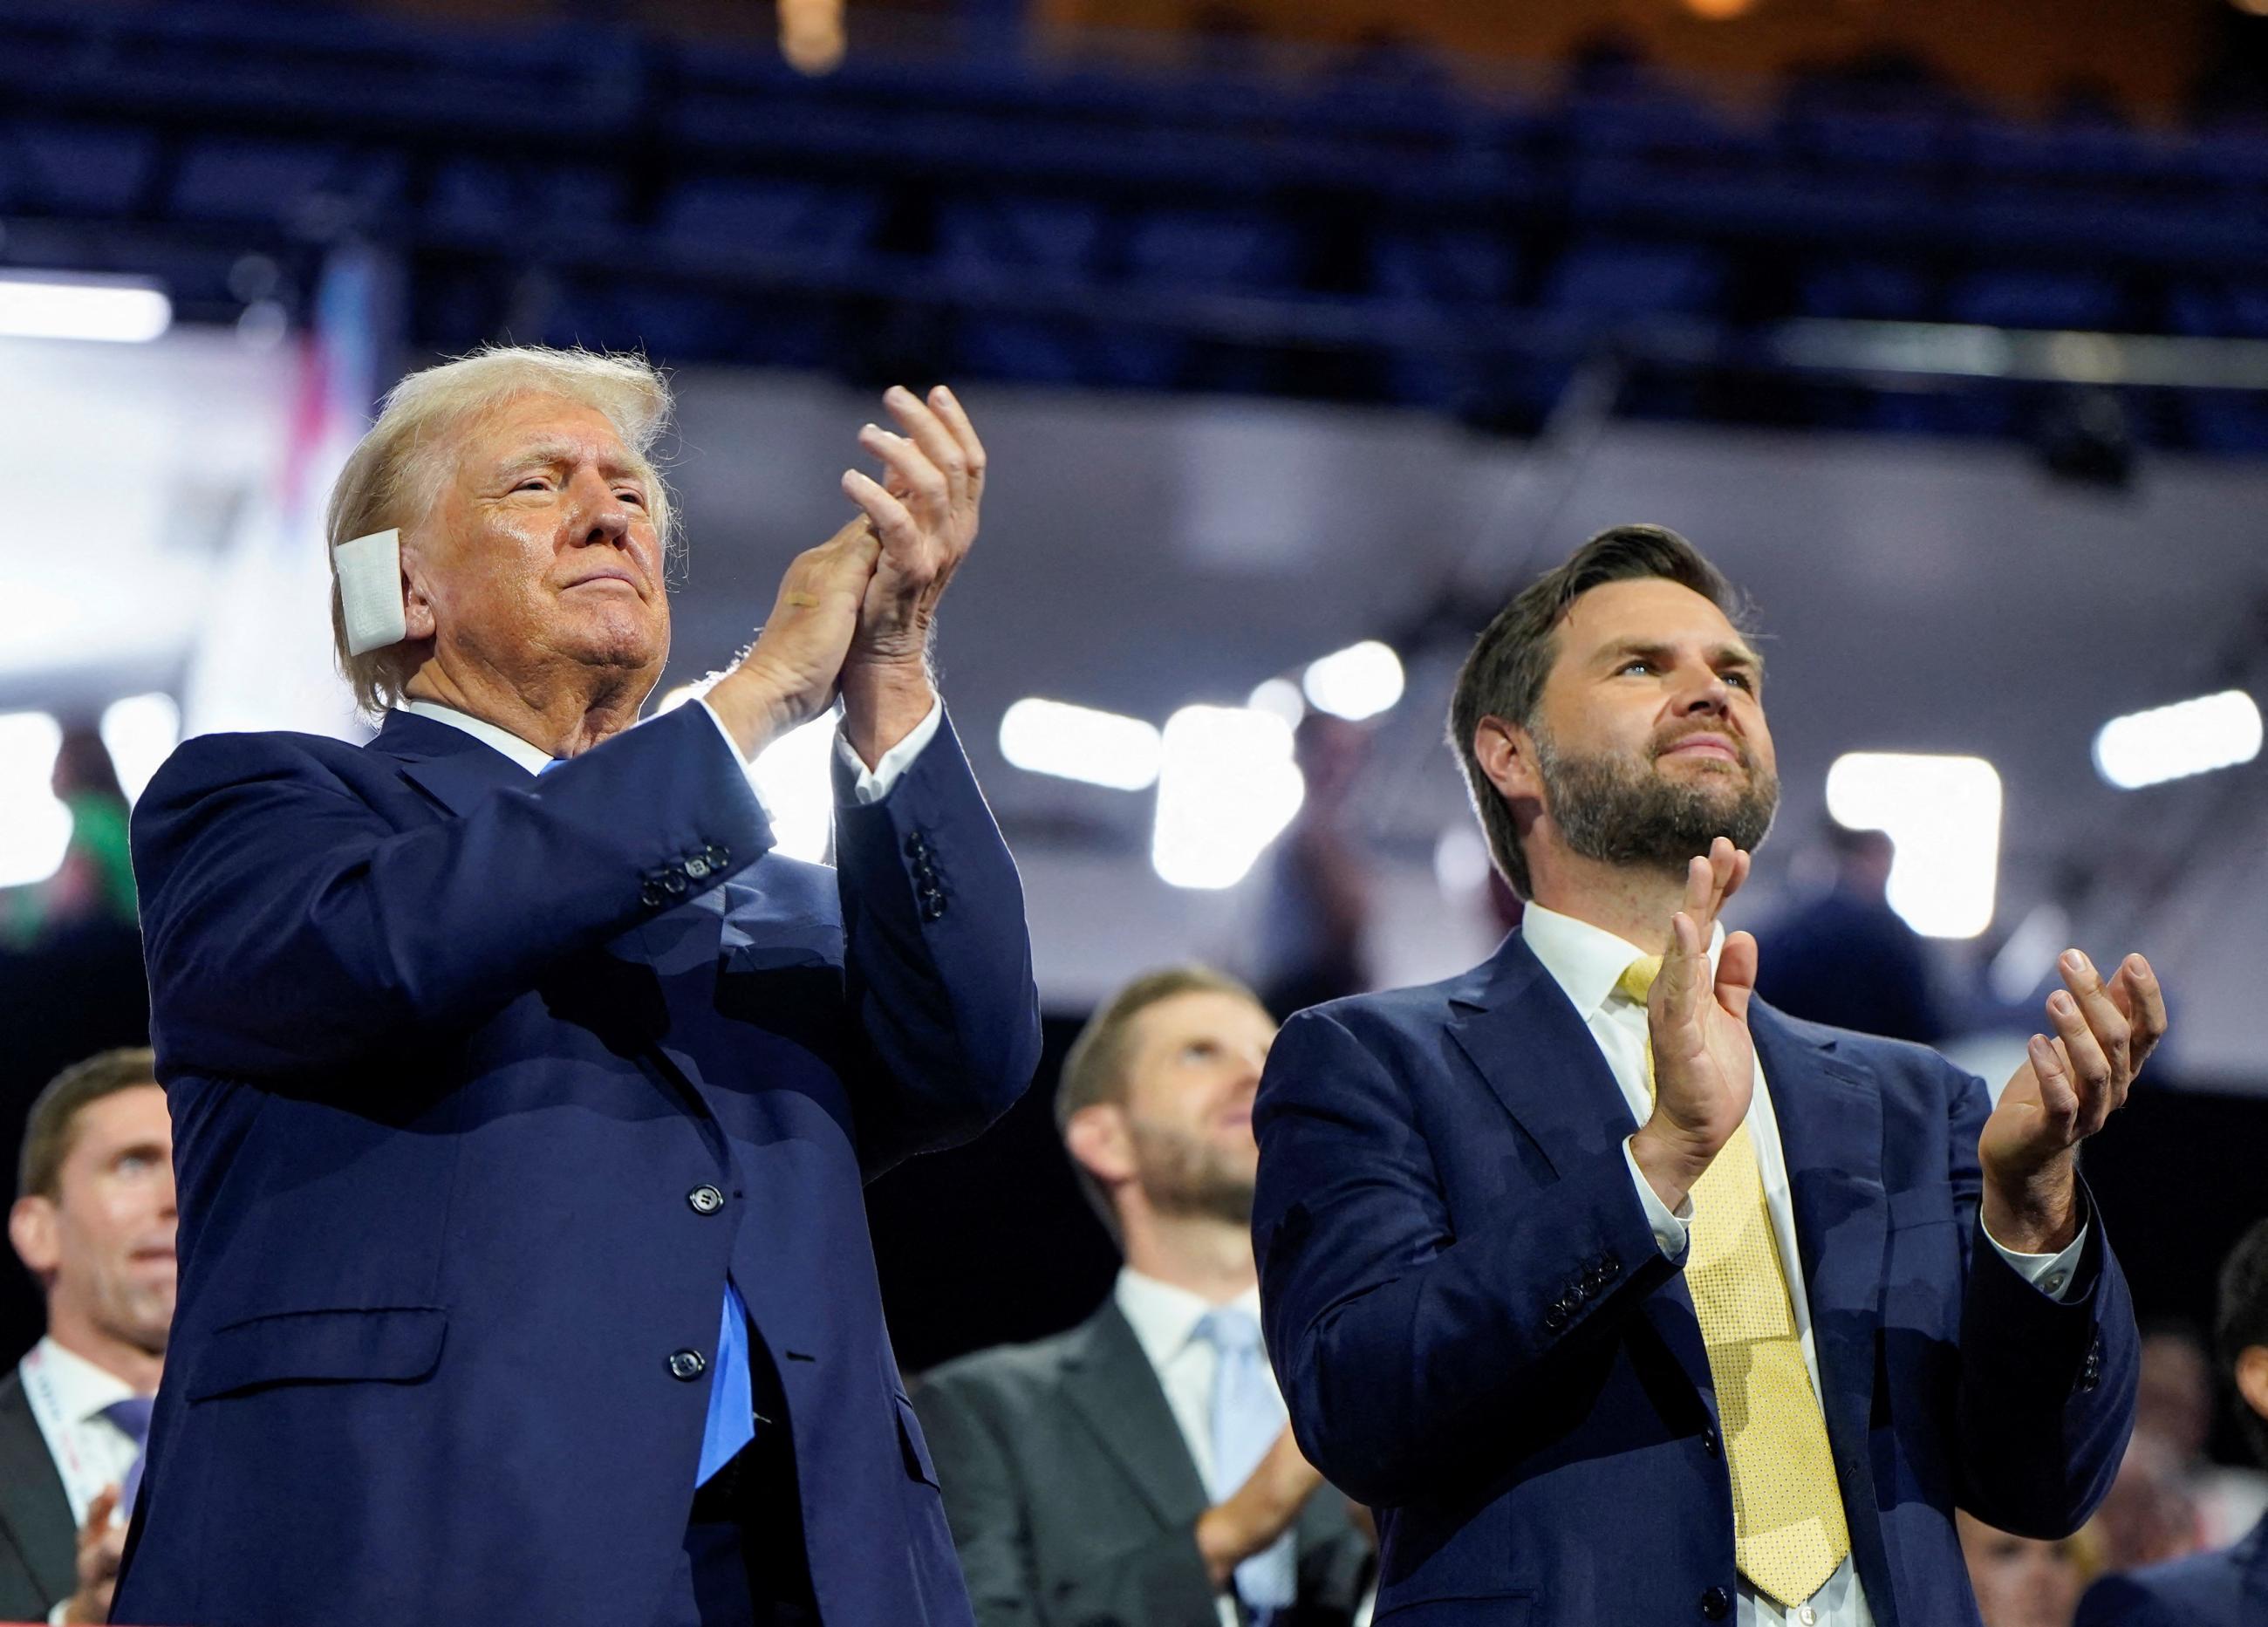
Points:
point(2225, 1588)
point(460, 1066)
point(1478, 1334)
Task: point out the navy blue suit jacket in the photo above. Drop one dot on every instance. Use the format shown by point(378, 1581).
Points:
point(453, 1059)
point(1478, 1334)
point(2225, 1588)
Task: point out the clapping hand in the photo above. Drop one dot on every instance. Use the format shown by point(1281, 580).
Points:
point(2069, 1085)
point(1704, 1060)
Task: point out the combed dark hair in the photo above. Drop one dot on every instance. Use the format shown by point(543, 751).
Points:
point(2242, 1322)
point(53, 1120)
point(1095, 1068)
point(1503, 676)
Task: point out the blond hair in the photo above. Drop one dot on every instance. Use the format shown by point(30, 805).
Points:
point(396, 472)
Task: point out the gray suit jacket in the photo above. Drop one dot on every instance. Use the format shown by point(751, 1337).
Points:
point(38, 1545)
point(1073, 1500)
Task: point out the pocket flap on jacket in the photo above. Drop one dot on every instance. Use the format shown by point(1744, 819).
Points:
point(918, 1463)
point(398, 1344)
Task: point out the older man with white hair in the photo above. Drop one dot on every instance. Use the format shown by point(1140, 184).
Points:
point(523, 1096)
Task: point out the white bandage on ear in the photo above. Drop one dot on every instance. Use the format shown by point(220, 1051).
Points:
point(370, 591)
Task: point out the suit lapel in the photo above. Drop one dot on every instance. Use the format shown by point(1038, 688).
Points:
point(1109, 1382)
point(446, 763)
point(1533, 1047)
point(34, 1506)
point(1829, 1110)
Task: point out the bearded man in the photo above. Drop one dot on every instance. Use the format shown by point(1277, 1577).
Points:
point(1136, 1469)
point(1623, 1297)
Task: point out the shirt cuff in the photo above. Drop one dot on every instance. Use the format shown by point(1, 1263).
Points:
point(2053, 1274)
point(873, 784)
point(1671, 1226)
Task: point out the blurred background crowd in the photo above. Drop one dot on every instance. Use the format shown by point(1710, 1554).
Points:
point(1302, 333)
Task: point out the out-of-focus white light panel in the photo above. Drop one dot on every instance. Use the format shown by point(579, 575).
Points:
point(1943, 815)
point(1280, 697)
point(140, 733)
point(118, 309)
point(2170, 742)
point(35, 829)
point(1081, 743)
point(1226, 787)
point(1358, 681)
point(795, 778)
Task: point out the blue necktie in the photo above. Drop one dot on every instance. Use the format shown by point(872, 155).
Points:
point(732, 1420)
point(132, 1418)
point(1246, 1422)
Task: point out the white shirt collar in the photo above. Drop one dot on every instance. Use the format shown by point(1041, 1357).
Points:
point(81, 1389)
point(1585, 960)
point(535, 759)
point(1165, 1318)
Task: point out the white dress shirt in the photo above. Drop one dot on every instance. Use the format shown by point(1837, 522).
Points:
point(67, 1393)
point(1165, 1321)
point(871, 785)
point(1587, 962)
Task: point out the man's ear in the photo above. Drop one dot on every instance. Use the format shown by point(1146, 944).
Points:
point(1098, 1138)
point(2252, 1377)
point(1506, 753)
point(416, 609)
point(31, 1230)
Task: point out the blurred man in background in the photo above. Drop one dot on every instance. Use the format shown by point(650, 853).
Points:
point(2227, 1587)
point(1316, 886)
point(526, 1095)
point(93, 1223)
point(1623, 1297)
point(1136, 1471)
point(2022, 1581)
point(1845, 957)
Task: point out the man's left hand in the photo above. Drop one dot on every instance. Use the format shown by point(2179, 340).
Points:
point(925, 511)
point(2069, 1085)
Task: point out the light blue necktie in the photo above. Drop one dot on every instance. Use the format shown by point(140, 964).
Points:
point(132, 1416)
point(1246, 1422)
point(732, 1421)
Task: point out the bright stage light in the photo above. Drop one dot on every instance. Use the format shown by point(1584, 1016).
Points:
point(122, 309)
point(35, 829)
point(1226, 787)
point(140, 733)
point(1279, 698)
point(1943, 815)
point(1079, 743)
point(794, 777)
point(1359, 682)
point(2170, 742)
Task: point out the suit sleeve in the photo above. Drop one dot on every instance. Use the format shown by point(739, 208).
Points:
point(1158, 1580)
point(1403, 1345)
point(289, 926)
point(2046, 1388)
point(937, 960)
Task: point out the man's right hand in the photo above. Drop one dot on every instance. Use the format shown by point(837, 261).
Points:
point(1704, 1060)
point(1257, 1513)
point(790, 676)
point(101, 1545)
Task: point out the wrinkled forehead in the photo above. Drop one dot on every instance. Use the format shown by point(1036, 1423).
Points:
point(1648, 613)
point(1196, 1015)
point(535, 431)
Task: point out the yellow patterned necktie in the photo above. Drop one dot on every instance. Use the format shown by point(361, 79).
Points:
point(1788, 1526)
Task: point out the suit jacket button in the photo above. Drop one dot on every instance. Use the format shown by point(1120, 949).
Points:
point(916, 846)
point(651, 895)
point(1716, 1604)
point(1710, 1441)
point(688, 1365)
point(1555, 1319)
point(706, 1200)
point(717, 856)
point(697, 866)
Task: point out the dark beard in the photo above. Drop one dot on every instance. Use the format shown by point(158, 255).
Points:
point(1621, 812)
point(1182, 1175)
